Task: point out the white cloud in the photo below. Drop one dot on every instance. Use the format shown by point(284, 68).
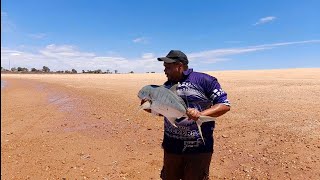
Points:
point(142, 40)
point(147, 56)
point(216, 55)
point(265, 20)
point(64, 51)
point(15, 54)
point(4, 14)
point(38, 35)
point(6, 24)
point(289, 43)
point(67, 57)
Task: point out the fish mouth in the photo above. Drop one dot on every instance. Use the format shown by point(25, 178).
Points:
point(145, 105)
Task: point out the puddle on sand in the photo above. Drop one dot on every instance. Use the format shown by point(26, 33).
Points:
point(40, 87)
point(64, 102)
point(76, 120)
point(3, 84)
point(61, 100)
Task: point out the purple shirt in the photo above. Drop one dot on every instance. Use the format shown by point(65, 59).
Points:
point(200, 91)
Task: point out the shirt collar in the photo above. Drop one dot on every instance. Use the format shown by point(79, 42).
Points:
point(187, 72)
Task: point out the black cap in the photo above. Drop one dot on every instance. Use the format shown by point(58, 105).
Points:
point(175, 56)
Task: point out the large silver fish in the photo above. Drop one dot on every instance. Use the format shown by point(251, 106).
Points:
point(167, 103)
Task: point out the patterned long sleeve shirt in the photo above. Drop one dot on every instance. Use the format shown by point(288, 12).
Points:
point(200, 91)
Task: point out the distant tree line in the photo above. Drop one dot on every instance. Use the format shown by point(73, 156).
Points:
point(99, 71)
point(46, 69)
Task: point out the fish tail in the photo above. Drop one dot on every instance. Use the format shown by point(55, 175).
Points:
point(201, 120)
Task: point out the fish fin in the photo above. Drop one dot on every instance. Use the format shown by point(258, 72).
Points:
point(172, 120)
point(205, 119)
point(182, 102)
point(145, 105)
point(201, 120)
point(155, 86)
point(173, 89)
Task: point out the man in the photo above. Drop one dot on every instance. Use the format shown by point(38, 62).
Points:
point(186, 156)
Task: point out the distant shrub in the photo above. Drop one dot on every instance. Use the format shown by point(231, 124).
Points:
point(45, 69)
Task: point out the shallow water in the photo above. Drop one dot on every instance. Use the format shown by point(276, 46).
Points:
point(3, 84)
point(63, 101)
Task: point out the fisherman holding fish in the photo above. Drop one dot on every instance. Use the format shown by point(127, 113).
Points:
point(189, 102)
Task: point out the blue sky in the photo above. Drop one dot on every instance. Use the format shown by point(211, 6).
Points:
point(130, 35)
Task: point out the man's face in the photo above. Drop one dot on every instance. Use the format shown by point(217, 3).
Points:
point(173, 71)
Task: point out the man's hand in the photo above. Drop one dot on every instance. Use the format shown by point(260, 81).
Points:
point(193, 114)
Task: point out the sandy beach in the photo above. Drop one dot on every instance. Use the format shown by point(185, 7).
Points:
point(87, 126)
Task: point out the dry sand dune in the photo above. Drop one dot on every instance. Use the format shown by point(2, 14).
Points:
point(87, 126)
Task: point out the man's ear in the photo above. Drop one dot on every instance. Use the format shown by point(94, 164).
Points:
point(181, 65)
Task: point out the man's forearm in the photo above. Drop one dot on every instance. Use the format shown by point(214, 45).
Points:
point(216, 110)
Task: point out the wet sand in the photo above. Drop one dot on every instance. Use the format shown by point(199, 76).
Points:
point(86, 126)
